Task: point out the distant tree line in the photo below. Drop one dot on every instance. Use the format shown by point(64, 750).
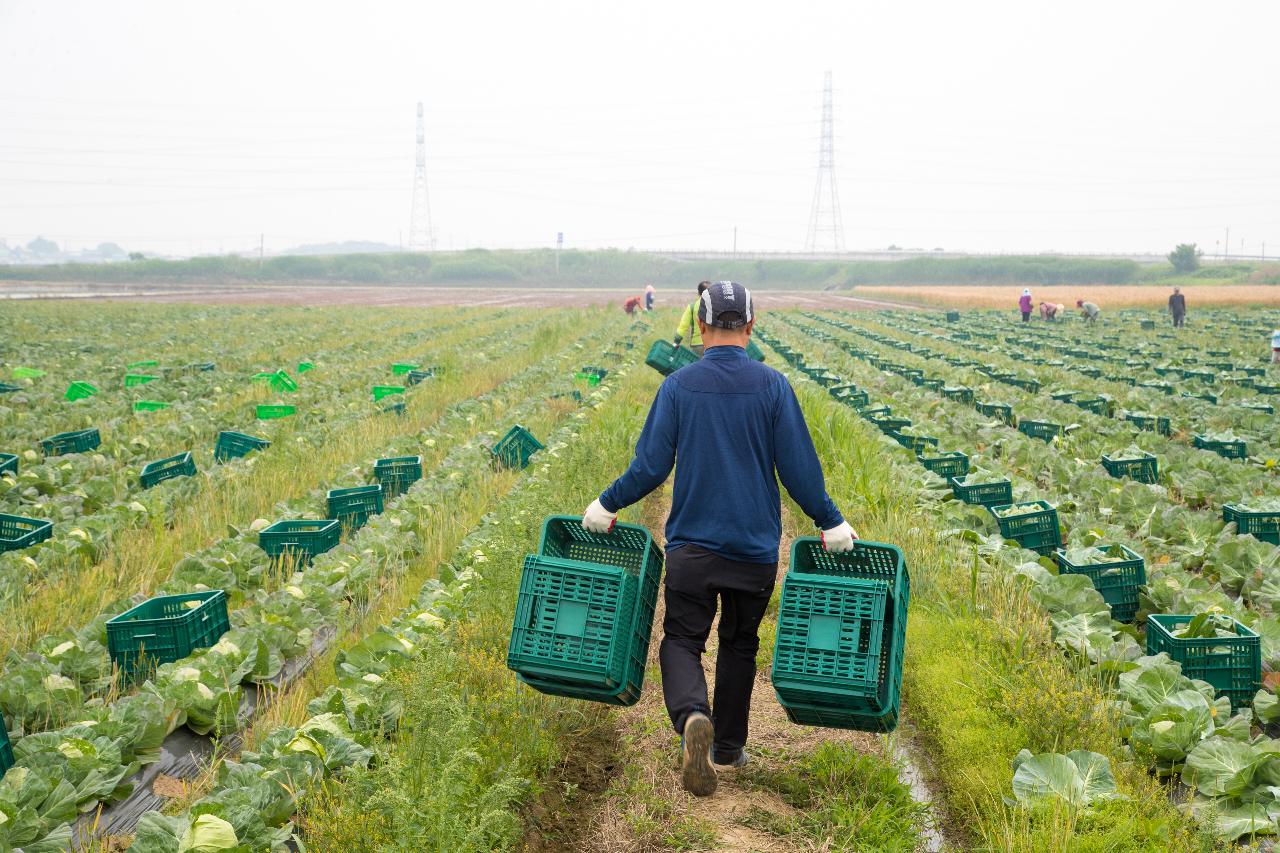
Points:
point(616, 268)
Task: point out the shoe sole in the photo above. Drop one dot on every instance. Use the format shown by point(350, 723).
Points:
point(699, 776)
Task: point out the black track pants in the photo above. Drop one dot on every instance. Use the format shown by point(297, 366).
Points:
point(695, 579)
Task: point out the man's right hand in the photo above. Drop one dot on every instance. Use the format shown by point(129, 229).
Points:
point(677, 339)
point(839, 539)
point(597, 519)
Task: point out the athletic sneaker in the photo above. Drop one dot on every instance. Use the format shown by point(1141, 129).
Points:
point(740, 761)
point(698, 775)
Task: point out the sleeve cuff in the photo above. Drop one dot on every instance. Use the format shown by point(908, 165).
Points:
point(608, 505)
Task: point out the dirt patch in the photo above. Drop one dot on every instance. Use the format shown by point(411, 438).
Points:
point(582, 778)
point(313, 294)
point(168, 786)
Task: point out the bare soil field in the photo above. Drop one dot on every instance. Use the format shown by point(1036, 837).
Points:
point(310, 293)
point(1106, 295)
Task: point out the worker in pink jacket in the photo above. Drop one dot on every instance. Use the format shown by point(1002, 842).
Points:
point(1024, 305)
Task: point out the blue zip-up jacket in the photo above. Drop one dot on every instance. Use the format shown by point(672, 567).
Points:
point(727, 423)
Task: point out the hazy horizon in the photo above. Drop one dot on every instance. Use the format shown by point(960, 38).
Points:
point(190, 128)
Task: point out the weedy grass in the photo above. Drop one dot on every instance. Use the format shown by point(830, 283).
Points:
point(982, 678)
point(472, 733)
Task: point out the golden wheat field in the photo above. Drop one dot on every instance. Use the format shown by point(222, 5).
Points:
point(1105, 295)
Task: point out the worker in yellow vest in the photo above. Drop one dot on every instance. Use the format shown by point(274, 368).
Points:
point(688, 325)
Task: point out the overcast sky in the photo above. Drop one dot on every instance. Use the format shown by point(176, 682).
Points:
point(186, 127)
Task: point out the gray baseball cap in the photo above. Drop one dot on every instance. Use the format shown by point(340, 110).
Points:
point(723, 297)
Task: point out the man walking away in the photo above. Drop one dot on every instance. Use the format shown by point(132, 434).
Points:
point(736, 428)
point(648, 297)
point(1178, 307)
point(688, 325)
point(1024, 305)
point(1088, 310)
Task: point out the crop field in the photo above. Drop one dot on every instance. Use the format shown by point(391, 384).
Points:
point(1089, 514)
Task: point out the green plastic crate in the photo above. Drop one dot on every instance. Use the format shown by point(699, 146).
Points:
point(1001, 411)
point(149, 362)
point(1118, 580)
point(401, 368)
point(76, 441)
point(958, 393)
point(1226, 449)
point(27, 373)
point(150, 406)
point(352, 507)
point(233, 445)
point(396, 474)
point(1144, 470)
point(80, 391)
point(18, 532)
point(953, 316)
point(380, 391)
point(132, 380)
point(279, 380)
point(754, 352)
point(6, 388)
point(165, 629)
point(396, 407)
point(1037, 531)
point(516, 447)
point(1259, 408)
point(304, 366)
point(181, 465)
point(592, 379)
point(270, 413)
point(1098, 405)
point(413, 377)
point(1262, 525)
point(666, 358)
point(1046, 430)
point(994, 493)
point(584, 612)
point(9, 463)
point(299, 539)
point(915, 443)
point(1233, 665)
point(889, 424)
point(6, 747)
point(1151, 423)
point(946, 465)
point(841, 636)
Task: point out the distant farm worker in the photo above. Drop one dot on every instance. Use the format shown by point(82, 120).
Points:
point(1088, 310)
point(632, 303)
point(1178, 307)
point(648, 297)
point(735, 428)
point(1275, 347)
point(1049, 311)
point(688, 325)
point(1024, 305)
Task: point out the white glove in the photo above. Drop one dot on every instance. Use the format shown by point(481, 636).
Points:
point(839, 539)
point(597, 519)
